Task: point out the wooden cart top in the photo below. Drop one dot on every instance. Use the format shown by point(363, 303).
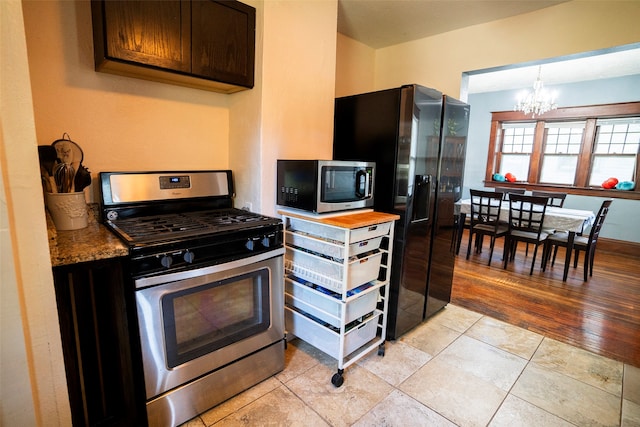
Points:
point(350, 220)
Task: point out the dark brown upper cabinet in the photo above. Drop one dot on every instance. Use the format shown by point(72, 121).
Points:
point(206, 44)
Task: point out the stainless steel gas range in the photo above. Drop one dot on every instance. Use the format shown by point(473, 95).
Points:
point(208, 282)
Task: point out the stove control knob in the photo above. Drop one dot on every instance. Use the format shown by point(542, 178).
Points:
point(112, 215)
point(266, 241)
point(166, 261)
point(188, 257)
point(250, 244)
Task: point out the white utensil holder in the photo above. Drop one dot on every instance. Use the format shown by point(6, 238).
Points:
point(68, 210)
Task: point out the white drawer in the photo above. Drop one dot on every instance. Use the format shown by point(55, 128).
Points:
point(370, 232)
point(326, 307)
point(331, 249)
point(336, 234)
point(327, 340)
point(330, 274)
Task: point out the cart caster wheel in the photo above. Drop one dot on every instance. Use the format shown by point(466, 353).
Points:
point(381, 351)
point(337, 380)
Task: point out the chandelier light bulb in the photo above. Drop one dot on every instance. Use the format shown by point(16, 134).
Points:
point(538, 101)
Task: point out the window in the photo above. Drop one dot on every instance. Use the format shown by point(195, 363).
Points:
point(616, 149)
point(574, 149)
point(562, 144)
point(517, 146)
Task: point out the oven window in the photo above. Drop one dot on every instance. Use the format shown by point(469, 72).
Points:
point(203, 319)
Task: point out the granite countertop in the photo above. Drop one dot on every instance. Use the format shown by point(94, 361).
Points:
point(92, 243)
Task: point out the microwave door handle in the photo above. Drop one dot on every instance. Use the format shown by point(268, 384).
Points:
point(362, 185)
point(367, 185)
point(329, 179)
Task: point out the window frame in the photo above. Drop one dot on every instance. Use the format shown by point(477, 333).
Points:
point(589, 114)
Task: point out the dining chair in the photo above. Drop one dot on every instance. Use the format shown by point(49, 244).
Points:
point(485, 219)
point(508, 190)
point(580, 243)
point(505, 191)
point(555, 199)
point(458, 229)
point(526, 216)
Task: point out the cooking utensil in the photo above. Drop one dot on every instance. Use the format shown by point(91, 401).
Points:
point(48, 158)
point(69, 153)
point(82, 179)
point(67, 150)
point(46, 181)
point(64, 174)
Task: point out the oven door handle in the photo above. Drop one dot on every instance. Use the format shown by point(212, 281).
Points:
point(145, 282)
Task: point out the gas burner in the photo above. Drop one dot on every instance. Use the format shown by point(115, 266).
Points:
point(182, 225)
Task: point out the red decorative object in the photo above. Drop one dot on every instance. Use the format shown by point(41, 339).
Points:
point(610, 183)
point(510, 177)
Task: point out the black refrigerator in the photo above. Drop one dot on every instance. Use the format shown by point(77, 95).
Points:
point(417, 137)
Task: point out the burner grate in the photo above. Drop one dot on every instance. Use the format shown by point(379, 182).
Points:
point(168, 226)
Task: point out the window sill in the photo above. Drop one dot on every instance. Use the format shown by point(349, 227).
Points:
point(591, 192)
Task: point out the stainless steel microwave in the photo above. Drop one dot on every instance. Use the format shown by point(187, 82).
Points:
point(322, 186)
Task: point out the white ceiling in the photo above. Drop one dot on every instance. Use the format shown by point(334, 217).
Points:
point(381, 23)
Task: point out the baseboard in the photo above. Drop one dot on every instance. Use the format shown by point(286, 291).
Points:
point(621, 247)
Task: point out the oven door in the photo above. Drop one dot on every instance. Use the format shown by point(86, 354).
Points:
point(194, 322)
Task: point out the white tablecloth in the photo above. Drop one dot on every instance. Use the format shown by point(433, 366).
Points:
point(561, 219)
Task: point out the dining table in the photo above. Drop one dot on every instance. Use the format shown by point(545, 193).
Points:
point(569, 220)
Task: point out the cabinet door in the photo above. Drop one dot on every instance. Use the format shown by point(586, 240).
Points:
point(155, 33)
point(96, 312)
point(223, 41)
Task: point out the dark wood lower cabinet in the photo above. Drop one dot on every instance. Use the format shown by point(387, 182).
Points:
point(96, 310)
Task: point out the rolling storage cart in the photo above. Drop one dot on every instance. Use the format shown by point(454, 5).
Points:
point(337, 282)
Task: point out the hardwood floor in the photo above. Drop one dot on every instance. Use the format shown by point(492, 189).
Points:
point(601, 315)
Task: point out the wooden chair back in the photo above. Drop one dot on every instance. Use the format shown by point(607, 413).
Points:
point(485, 207)
point(555, 199)
point(485, 219)
point(508, 190)
point(526, 213)
point(598, 222)
point(581, 243)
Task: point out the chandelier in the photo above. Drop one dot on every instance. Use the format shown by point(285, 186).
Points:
point(537, 102)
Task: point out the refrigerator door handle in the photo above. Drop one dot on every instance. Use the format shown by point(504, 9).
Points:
point(421, 198)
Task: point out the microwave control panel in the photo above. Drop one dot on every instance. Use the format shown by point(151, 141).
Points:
point(289, 194)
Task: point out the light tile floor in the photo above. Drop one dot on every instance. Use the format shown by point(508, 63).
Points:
point(459, 368)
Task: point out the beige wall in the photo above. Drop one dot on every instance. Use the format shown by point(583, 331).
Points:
point(355, 67)
point(130, 124)
point(568, 28)
point(121, 123)
point(32, 380)
point(299, 61)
